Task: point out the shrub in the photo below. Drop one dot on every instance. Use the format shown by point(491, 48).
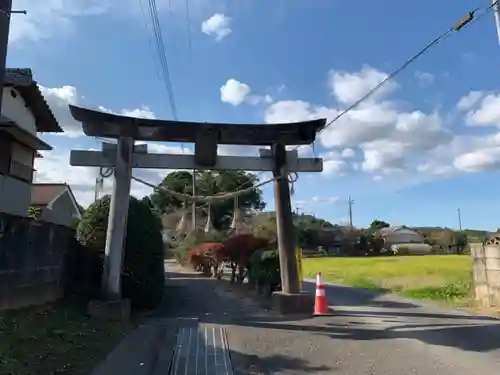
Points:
point(143, 277)
point(264, 269)
point(193, 239)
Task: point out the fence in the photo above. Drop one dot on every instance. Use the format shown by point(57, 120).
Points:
point(32, 261)
point(486, 265)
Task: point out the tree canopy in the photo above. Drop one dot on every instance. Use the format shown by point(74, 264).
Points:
point(377, 225)
point(210, 183)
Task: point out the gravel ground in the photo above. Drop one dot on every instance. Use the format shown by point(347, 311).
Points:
point(367, 334)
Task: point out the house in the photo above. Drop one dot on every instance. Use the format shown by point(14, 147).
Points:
point(400, 235)
point(24, 114)
point(56, 202)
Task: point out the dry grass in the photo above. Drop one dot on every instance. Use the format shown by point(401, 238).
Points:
point(437, 277)
point(55, 339)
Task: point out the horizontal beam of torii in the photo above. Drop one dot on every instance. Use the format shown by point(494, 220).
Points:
point(146, 160)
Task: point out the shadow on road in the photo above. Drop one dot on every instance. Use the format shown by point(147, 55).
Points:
point(475, 338)
point(244, 364)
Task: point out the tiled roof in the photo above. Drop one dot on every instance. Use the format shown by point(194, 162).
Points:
point(22, 80)
point(43, 194)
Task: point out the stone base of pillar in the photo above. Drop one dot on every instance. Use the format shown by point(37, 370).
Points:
point(112, 310)
point(301, 303)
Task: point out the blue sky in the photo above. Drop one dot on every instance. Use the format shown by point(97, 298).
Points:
point(425, 145)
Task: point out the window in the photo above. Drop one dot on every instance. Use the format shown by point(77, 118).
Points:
point(21, 163)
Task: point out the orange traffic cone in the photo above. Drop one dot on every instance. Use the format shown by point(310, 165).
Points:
point(320, 304)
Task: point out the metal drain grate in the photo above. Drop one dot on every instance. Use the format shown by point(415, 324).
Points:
point(202, 350)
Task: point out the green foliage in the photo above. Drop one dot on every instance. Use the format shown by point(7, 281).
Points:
point(376, 225)
point(210, 183)
point(307, 228)
point(143, 270)
point(34, 213)
point(264, 269)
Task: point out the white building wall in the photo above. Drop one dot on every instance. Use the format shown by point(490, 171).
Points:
point(15, 109)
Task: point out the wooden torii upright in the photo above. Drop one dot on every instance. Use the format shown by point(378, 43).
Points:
point(206, 136)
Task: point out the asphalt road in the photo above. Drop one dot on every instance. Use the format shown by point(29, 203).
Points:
point(367, 334)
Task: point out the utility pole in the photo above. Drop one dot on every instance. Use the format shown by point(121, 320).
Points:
point(459, 219)
point(496, 10)
point(350, 202)
point(5, 13)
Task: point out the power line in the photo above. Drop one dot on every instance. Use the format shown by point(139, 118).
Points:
point(466, 21)
point(160, 46)
point(188, 22)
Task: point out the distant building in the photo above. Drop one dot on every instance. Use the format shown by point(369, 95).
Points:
point(56, 203)
point(399, 235)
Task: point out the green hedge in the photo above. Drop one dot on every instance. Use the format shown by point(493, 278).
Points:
point(264, 270)
point(143, 277)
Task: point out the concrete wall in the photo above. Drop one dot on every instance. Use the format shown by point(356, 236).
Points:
point(15, 196)
point(31, 261)
point(486, 267)
point(15, 109)
point(62, 211)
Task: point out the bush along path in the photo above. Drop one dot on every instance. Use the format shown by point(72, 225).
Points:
point(143, 269)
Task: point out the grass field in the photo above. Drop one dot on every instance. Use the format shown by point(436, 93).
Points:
point(436, 277)
point(55, 339)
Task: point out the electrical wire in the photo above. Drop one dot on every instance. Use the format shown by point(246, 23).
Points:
point(188, 22)
point(160, 45)
point(465, 22)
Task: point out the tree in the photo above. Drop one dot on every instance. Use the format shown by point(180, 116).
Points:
point(461, 241)
point(376, 225)
point(143, 278)
point(210, 183)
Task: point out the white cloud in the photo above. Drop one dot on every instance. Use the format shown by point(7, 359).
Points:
point(488, 111)
point(322, 199)
point(347, 87)
point(235, 93)
point(59, 98)
point(48, 18)
point(424, 79)
point(348, 153)
point(470, 100)
point(389, 136)
point(217, 25)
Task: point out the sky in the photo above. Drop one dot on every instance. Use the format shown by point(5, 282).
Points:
point(424, 146)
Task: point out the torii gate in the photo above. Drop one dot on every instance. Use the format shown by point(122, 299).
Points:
point(205, 136)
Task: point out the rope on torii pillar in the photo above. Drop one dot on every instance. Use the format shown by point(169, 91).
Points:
point(182, 226)
point(209, 224)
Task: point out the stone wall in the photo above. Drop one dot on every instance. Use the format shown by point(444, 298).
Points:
point(486, 268)
point(32, 256)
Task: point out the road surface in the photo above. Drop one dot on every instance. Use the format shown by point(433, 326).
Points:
point(368, 334)
point(220, 331)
